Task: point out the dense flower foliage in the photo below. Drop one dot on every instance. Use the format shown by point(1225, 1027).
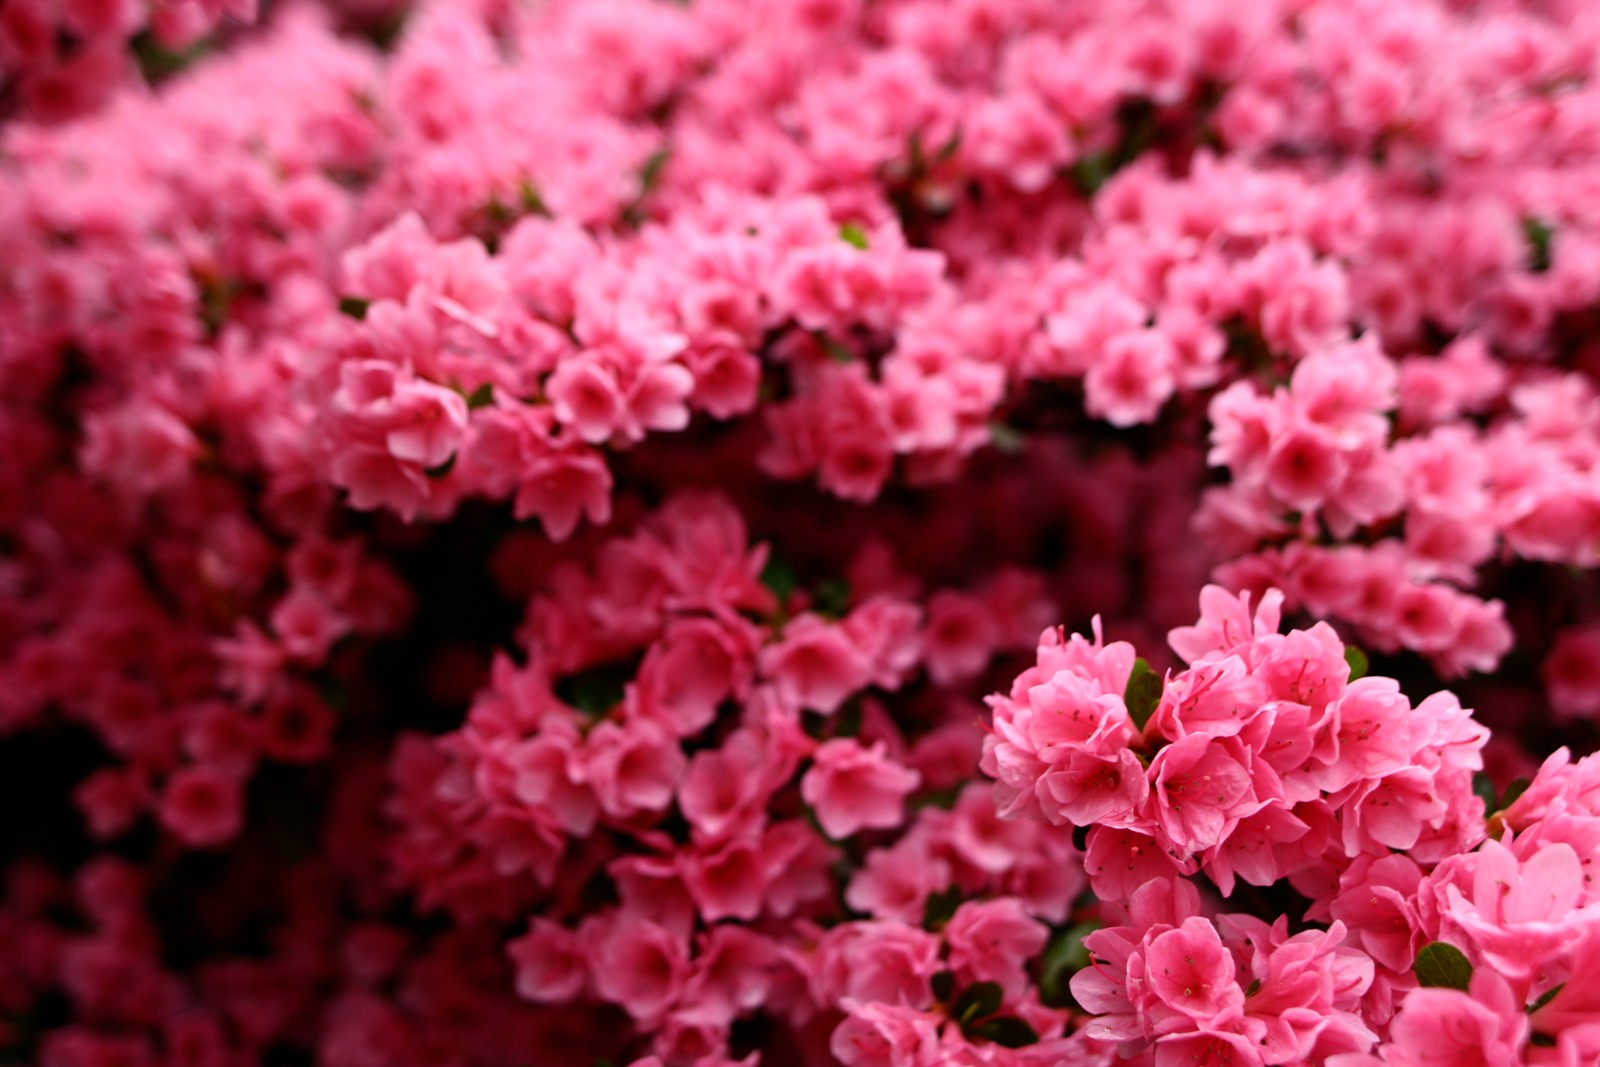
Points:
point(526, 530)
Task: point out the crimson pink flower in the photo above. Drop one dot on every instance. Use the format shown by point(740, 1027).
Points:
point(852, 788)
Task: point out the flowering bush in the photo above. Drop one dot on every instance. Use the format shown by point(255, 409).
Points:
point(527, 528)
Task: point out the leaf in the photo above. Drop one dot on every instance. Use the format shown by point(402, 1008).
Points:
point(1442, 966)
point(854, 235)
point(779, 576)
point(1514, 792)
point(1357, 660)
point(354, 306)
point(650, 173)
point(532, 202)
point(1537, 233)
point(936, 798)
point(943, 985)
point(832, 598)
point(1091, 172)
point(1063, 957)
point(1007, 1031)
point(1546, 997)
point(1143, 693)
point(1255, 987)
point(1483, 788)
point(977, 1001)
point(442, 469)
point(1007, 440)
point(837, 351)
point(649, 178)
point(938, 908)
point(481, 397)
point(596, 690)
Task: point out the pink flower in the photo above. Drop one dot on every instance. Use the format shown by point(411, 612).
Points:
point(427, 424)
point(637, 965)
point(885, 1035)
point(727, 881)
point(1485, 1027)
point(1571, 672)
point(201, 806)
point(1376, 904)
point(141, 447)
point(550, 964)
point(1304, 468)
point(1200, 787)
point(657, 399)
point(992, 941)
point(695, 666)
point(1085, 789)
point(1189, 971)
point(1518, 911)
point(852, 788)
point(959, 636)
point(815, 665)
point(895, 882)
point(585, 395)
point(1131, 379)
point(1121, 861)
point(633, 768)
point(562, 486)
point(876, 961)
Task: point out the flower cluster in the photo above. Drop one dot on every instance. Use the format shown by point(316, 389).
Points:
point(526, 531)
point(1261, 761)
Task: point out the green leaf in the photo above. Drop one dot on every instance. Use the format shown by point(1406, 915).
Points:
point(936, 798)
point(481, 397)
point(1357, 660)
point(940, 906)
point(596, 690)
point(650, 173)
point(532, 202)
point(832, 598)
point(442, 469)
point(1541, 1041)
point(1442, 966)
point(1483, 787)
point(156, 63)
point(780, 577)
point(1546, 997)
point(1007, 440)
point(1513, 792)
point(1143, 693)
point(1255, 987)
point(1537, 233)
point(1063, 957)
point(1008, 1031)
point(837, 351)
point(354, 306)
point(854, 235)
point(943, 986)
point(649, 178)
point(977, 1001)
point(1091, 172)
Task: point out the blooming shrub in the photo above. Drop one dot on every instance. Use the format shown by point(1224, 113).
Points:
point(526, 530)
